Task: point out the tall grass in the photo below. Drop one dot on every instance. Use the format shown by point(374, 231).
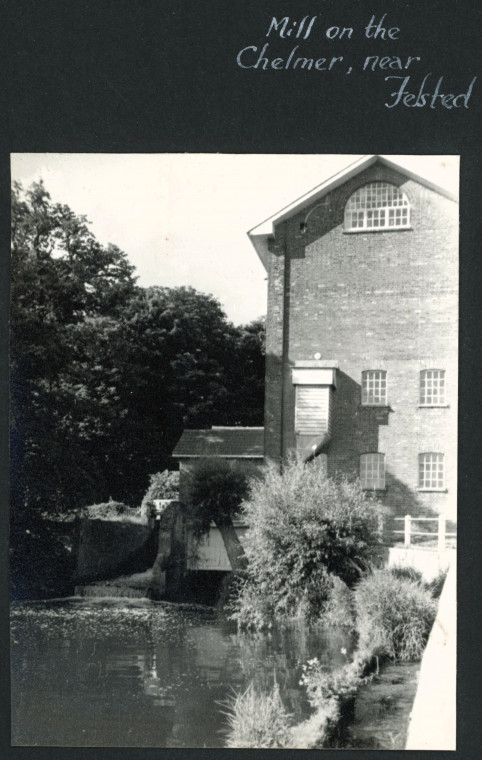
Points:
point(257, 720)
point(394, 615)
point(261, 721)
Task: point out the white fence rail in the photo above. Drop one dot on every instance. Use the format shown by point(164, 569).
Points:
point(441, 535)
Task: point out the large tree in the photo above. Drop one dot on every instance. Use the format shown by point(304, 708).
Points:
point(175, 355)
point(105, 375)
point(66, 290)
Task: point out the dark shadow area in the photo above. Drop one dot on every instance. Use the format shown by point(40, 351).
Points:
point(203, 586)
point(42, 559)
point(355, 428)
point(109, 549)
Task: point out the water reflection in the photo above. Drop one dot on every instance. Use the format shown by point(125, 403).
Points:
point(136, 673)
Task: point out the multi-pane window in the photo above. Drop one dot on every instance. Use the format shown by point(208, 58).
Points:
point(372, 471)
point(378, 205)
point(374, 387)
point(431, 471)
point(432, 387)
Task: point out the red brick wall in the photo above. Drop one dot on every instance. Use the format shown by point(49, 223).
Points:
point(371, 300)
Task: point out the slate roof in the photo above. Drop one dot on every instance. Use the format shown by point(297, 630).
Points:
point(227, 442)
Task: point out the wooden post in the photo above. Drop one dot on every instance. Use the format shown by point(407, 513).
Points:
point(408, 530)
point(441, 533)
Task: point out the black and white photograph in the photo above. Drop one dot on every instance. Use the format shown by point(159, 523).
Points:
point(234, 413)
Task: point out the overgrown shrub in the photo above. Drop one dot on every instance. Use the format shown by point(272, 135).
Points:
point(162, 485)
point(394, 615)
point(252, 607)
point(339, 610)
point(304, 527)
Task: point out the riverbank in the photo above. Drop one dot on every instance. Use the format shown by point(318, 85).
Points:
point(413, 705)
point(383, 707)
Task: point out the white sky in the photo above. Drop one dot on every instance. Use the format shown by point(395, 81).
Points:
point(182, 218)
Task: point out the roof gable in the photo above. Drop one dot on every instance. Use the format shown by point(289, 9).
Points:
point(259, 235)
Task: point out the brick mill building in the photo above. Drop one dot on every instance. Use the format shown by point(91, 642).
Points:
point(361, 335)
point(361, 340)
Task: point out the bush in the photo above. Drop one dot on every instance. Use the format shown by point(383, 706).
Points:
point(216, 491)
point(339, 610)
point(322, 685)
point(106, 511)
point(251, 607)
point(394, 615)
point(304, 527)
point(162, 485)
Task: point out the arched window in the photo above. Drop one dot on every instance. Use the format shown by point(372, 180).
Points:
point(372, 471)
point(377, 206)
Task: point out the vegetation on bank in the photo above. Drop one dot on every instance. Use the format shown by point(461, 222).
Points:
point(305, 531)
point(310, 548)
point(393, 617)
point(110, 510)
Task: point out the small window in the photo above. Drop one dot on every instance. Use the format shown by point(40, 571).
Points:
point(374, 387)
point(377, 206)
point(432, 387)
point(372, 471)
point(431, 471)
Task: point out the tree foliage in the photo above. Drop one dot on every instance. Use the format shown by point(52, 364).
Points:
point(304, 528)
point(66, 291)
point(104, 374)
point(162, 485)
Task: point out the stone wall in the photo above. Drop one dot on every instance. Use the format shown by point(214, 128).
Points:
point(110, 548)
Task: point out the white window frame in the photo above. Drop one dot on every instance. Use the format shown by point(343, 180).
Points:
point(377, 206)
point(431, 471)
point(374, 380)
point(372, 471)
point(432, 380)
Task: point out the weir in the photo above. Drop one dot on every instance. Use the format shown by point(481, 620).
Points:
point(161, 560)
point(111, 591)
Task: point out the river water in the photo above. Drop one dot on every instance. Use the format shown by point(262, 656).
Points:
point(130, 672)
